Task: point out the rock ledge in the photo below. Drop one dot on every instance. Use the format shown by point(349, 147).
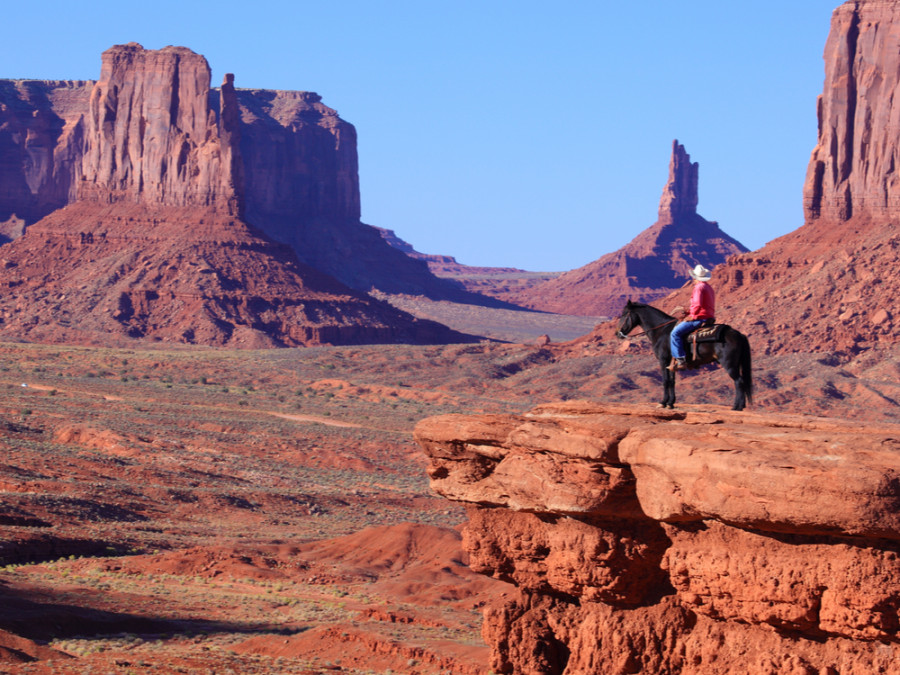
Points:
point(694, 541)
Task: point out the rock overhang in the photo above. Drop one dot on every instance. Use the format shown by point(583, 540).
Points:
point(769, 472)
point(693, 541)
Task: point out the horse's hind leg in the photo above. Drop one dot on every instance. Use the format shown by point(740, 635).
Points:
point(668, 400)
point(739, 399)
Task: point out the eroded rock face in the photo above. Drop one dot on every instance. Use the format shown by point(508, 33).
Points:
point(151, 136)
point(825, 286)
point(852, 171)
point(163, 208)
point(152, 131)
point(104, 274)
point(41, 147)
point(299, 157)
point(734, 542)
point(681, 194)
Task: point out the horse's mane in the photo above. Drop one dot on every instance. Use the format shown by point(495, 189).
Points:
point(642, 305)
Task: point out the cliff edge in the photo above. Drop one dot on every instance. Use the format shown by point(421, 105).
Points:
point(644, 541)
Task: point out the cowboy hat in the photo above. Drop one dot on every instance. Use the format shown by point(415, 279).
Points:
point(700, 273)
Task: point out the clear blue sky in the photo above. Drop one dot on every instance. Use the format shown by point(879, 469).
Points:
point(528, 134)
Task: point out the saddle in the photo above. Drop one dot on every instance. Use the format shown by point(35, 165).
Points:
point(710, 333)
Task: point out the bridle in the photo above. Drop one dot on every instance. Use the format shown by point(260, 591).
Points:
point(645, 332)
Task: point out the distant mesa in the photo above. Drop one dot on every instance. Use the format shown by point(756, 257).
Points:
point(649, 267)
point(154, 206)
point(396, 242)
point(501, 283)
point(283, 161)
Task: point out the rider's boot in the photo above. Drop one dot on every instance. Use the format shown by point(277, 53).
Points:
point(677, 364)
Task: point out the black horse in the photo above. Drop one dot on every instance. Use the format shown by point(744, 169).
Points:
point(732, 351)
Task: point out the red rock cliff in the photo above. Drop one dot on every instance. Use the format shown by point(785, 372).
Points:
point(147, 232)
point(697, 542)
point(151, 131)
point(853, 169)
point(41, 147)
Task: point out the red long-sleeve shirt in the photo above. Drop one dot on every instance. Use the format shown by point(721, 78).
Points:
point(703, 302)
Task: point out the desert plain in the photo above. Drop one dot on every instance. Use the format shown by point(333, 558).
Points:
point(188, 509)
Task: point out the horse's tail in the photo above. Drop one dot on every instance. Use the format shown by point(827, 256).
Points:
point(746, 365)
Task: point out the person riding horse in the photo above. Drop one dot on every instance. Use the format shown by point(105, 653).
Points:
point(702, 312)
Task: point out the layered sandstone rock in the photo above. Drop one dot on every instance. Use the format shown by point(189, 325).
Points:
point(300, 159)
point(181, 274)
point(852, 171)
point(652, 264)
point(151, 137)
point(690, 542)
point(157, 201)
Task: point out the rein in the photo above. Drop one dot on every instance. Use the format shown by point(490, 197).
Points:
point(654, 328)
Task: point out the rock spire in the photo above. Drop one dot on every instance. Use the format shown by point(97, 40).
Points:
point(680, 195)
point(842, 256)
point(652, 264)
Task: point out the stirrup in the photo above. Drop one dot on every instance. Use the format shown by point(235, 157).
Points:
point(677, 364)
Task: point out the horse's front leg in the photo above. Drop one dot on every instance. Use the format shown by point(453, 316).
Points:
point(668, 400)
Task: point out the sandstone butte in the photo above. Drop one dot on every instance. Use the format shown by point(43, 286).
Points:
point(698, 541)
point(153, 130)
point(154, 206)
point(651, 265)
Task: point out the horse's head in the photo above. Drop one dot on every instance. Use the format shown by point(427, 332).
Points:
point(627, 321)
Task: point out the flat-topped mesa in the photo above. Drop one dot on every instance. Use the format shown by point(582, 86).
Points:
point(301, 162)
point(852, 170)
point(680, 195)
point(693, 541)
point(152, 137)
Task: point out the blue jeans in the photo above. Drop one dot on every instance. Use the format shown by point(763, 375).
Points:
point(679, 333)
